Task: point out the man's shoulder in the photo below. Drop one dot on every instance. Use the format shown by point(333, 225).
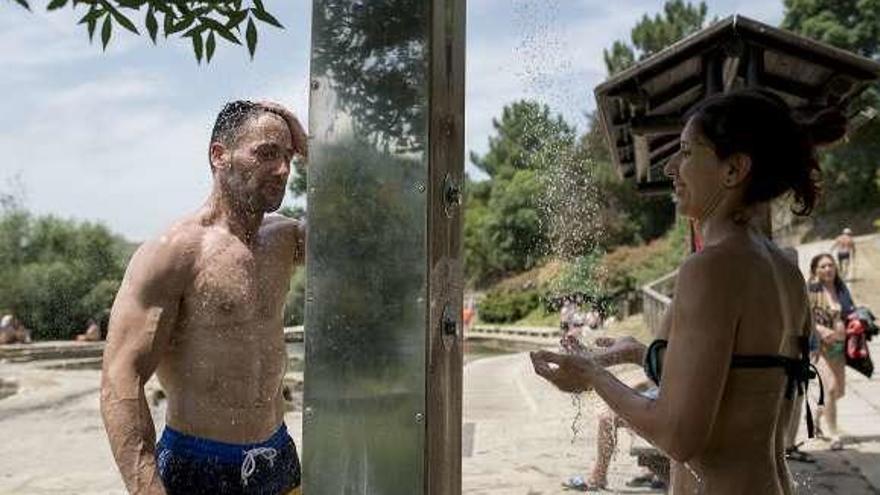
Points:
point(176, 248)
point(275, 224)
point(278, 220)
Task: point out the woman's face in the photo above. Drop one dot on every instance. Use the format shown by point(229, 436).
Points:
point(826, 270)
point(696, 173)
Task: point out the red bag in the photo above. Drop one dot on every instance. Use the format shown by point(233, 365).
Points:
point(857, 356)
point(856, 340)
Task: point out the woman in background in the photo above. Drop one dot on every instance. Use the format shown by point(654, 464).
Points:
point(831, 304)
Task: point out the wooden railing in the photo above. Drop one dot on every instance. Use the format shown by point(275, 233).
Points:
point(656, 299)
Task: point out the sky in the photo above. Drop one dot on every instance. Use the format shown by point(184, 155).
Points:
point(120, 137)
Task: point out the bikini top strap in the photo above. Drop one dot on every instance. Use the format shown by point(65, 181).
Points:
point(652, 364)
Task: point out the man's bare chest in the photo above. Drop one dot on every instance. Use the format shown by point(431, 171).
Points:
point(237, 285)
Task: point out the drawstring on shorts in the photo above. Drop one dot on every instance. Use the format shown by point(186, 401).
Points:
point(249, 465)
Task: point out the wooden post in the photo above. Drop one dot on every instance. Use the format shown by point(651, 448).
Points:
point(446, 174)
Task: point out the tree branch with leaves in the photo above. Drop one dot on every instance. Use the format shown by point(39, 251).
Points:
point(205, 22)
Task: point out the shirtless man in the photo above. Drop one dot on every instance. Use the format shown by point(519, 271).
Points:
point(845, 247)
point(202, 307)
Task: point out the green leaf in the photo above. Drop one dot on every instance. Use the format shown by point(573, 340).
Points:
point(152, 25)
point(24, 4)
point(267, 18)
point(91, 16)
point(235, 18)
point(251, 36)
point(210, 45)
point(219, 29)
point(106, 31)
point(197, 45)
point(168, 23)
point(92, 23)
point(56, 4)
point(124, 21)
point(177, 27)
point(258, 4)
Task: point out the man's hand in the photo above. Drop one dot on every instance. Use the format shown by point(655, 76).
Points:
point(298, 135)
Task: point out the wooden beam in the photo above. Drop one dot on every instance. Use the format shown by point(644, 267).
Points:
point(713, 72)
point(665, 124)
point(790, 86)
point(445, 336)
point(673, 91)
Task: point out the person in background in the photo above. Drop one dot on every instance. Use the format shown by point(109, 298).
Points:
point(845, 247)
point(13, 331)
point(831, 304)
point(92, 333)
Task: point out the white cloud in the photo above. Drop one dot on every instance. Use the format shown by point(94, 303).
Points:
point(110, 149)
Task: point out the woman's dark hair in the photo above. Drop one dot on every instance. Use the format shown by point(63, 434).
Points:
point(760, 124)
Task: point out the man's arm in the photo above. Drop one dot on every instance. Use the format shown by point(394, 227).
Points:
point(143, 316)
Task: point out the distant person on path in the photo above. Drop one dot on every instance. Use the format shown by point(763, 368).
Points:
point(201, 306)
point(566, 312)
point(13, 331)
point(831, 304)
point(735, 348)
point(845, 247)
point(92, 333)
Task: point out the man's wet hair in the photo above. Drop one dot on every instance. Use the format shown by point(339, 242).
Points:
point(232, 118)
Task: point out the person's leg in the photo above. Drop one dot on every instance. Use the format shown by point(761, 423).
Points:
point(828, 412)
point(606, 441)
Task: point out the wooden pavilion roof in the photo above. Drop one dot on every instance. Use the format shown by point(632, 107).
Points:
point(641, 108)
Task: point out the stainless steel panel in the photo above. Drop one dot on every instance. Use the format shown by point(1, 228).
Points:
point(363, 427)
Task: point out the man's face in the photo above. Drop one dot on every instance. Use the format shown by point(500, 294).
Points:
point(254, 169)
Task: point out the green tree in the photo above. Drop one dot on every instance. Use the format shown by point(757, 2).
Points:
point(57, 273)
point(851, 171)
point(506, 224)
point(650, 35)
point(205, 22)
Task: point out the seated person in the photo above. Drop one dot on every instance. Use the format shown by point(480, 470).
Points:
point(92, 333)
point(12, 331)
point(615, 352)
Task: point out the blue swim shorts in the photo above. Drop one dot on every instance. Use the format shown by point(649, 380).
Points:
point(193, 466)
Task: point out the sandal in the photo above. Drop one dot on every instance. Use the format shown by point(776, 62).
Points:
point(641, 481)
point(581, 485)
point(797, 455)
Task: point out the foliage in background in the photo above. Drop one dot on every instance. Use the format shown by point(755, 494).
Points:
point(57, 274)
point(294, 305)
point(630, 267)
point(205, 22)
point(508, 306)
point(851, 171)
point(506, 229)
point(650, 35)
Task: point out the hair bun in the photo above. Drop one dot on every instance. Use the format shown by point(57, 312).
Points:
point(826, 127)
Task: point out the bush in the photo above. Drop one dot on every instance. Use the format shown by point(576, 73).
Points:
point(507, 306)
point(628, 268)
point(57, 274)
point(294, 306)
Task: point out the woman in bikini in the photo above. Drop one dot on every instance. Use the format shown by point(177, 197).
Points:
point(734, 347)
point(831, 303)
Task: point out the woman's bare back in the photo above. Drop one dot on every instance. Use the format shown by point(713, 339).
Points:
point(743, 454)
